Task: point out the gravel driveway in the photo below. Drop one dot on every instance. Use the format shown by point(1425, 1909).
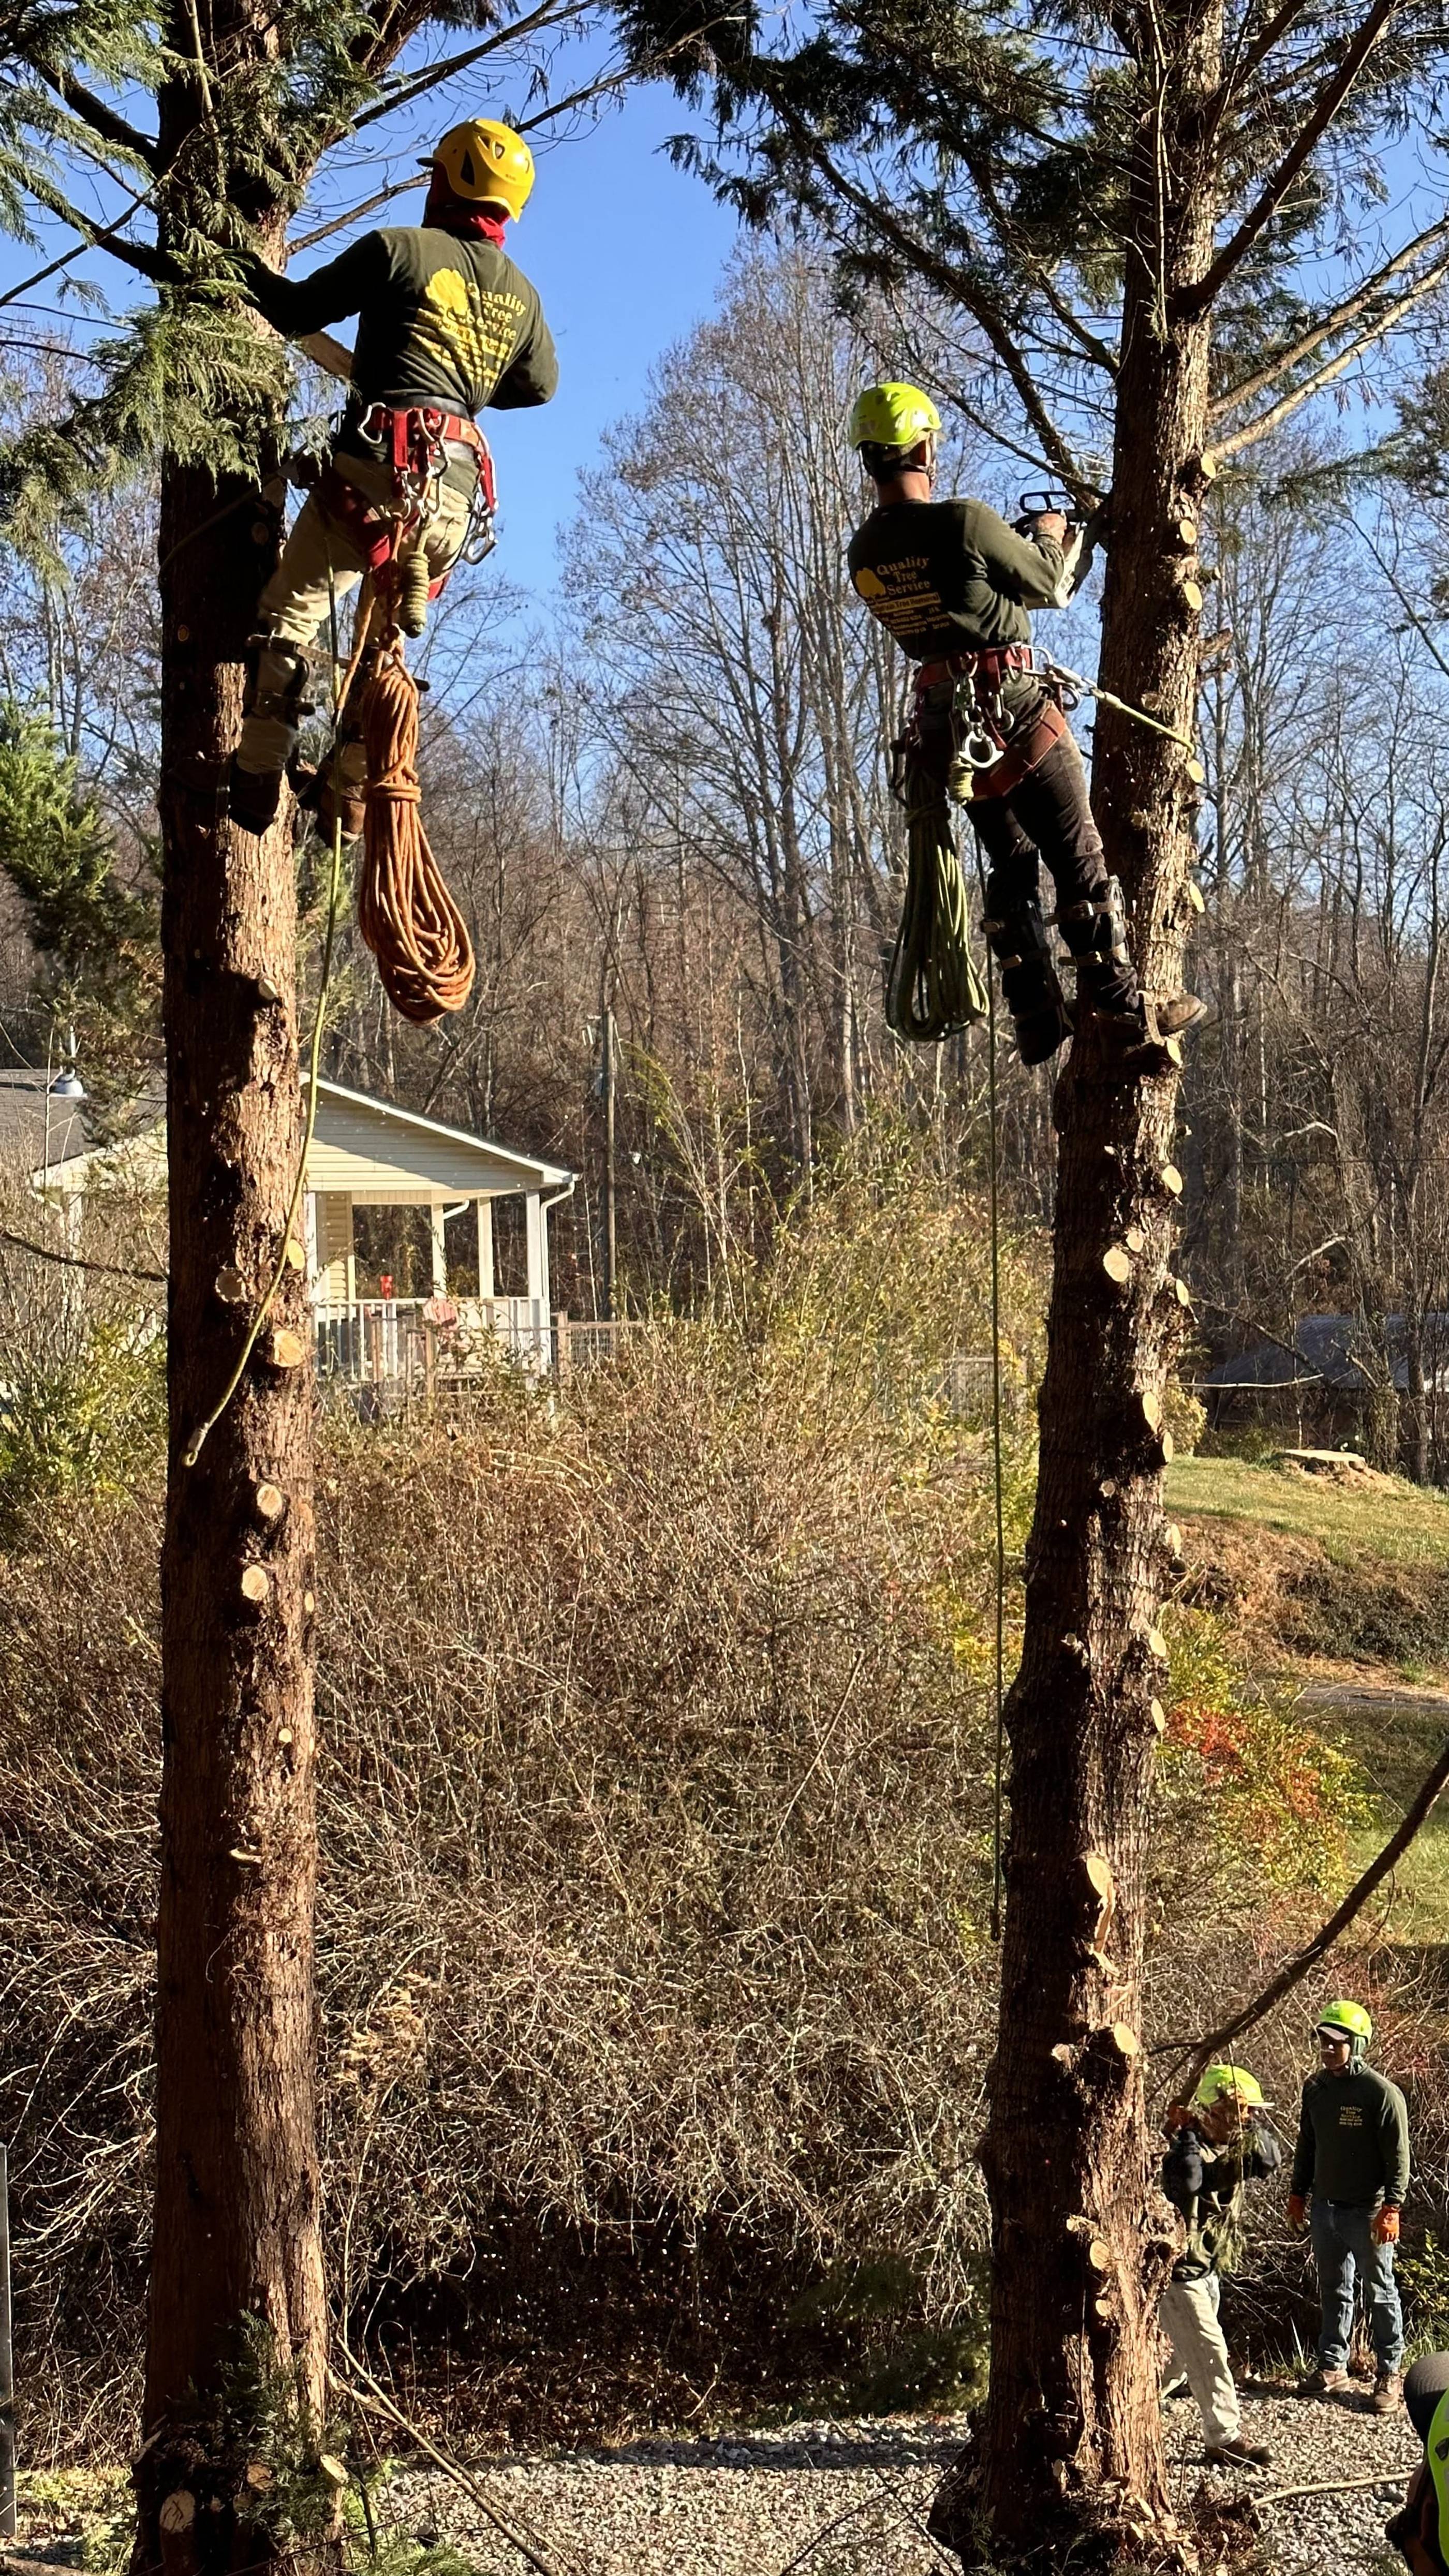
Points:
point(850, 2499)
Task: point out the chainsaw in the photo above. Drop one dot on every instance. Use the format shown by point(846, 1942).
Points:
point(1080, 543)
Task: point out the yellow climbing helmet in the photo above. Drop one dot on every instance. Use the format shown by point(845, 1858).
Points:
point(485, 164)
point(1347, 2021)
point(1217, 2083)
point(892, 416)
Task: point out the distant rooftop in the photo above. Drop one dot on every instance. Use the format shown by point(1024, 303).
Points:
point(1337, 1351)
point(24, 1128)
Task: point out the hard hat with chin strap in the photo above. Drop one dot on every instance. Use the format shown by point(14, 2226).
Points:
point(485, 164)
point(892, 416)
point(1345, 2020)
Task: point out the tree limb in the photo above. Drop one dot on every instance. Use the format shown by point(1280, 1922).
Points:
point(432, 76)
point(943, 274)
point(1329, 325)
point(73, 1260)
point(1278, 412)
point(1427, 1798)
point(1278, 26)
point(1192, 300)
point(148, 262)
point(103, 120)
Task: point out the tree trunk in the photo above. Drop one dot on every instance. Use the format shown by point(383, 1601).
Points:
point(1070, 2449)
point(236, 2232)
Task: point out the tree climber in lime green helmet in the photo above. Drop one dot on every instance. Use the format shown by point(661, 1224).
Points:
point(1353, 2155)
point(953, 584)
point(446, 325)
point(1218, 2142)
point(1420, 2532)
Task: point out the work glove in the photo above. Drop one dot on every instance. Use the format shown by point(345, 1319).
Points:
point(1297, 2212)
point(1179, 2116)
point(1384, 2224)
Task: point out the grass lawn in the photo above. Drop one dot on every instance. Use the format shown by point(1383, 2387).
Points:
point(1400, 1523)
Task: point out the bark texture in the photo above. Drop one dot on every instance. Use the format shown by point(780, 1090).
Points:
point(236, 2208)
point(1070, 2450)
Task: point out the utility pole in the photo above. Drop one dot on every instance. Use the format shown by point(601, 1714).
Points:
point(610, 1232)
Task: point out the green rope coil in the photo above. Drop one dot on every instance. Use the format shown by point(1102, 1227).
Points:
point(933, 989)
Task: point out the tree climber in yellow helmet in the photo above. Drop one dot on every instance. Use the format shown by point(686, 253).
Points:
point(446, 326)
point(1217, 2142)
point(1353, 2155)
point(953, 584)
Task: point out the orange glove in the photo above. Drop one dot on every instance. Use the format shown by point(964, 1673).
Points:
point(1179, 2116)
point(1384, 2225)
point(1297, 2212)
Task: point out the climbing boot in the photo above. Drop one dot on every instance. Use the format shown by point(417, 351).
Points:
point(1388, 2393)
point(253, 796)
point(1237, 2454)
point(1149, 1023)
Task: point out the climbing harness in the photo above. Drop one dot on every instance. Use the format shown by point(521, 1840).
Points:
point(414, 443)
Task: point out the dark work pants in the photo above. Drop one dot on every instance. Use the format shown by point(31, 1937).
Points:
point(1047, 819)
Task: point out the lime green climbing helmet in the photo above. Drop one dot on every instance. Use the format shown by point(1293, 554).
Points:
point(1347, 2021)
point(892, 416)
point(1217, 2083)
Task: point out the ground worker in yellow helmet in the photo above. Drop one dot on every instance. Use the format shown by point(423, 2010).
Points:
point(1420, 2532)
point(446, 326)
point(1217, 2143)
point(953, 583)
point(1353, 2156)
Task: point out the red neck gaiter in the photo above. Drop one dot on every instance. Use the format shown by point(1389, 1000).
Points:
point(451, 215)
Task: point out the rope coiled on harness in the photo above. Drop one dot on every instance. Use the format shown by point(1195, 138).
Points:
point(404, 910)
point(933, 988)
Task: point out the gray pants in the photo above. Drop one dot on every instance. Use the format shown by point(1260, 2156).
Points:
point(1189, 2318)
point(321, 563)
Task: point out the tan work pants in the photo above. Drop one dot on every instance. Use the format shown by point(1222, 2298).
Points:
point(1189, 2318)
point(321, 564)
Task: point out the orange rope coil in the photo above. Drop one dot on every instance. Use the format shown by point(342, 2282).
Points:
point(404, 910)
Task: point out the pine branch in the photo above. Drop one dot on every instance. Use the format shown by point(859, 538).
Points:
point(1279, 25)
point(148, 262)
point(949, 281)
point(1328, 326)
point(1278, 412)
point(1088, 342)
point(418, 84)
point(1190, 301)
point(102, 120)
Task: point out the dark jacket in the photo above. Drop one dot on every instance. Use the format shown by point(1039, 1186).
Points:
point(1206, 2183)
point(1353, 2139)
point(442, 318)
point(951, 577)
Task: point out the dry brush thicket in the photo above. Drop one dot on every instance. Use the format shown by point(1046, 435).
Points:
point(655, 1810)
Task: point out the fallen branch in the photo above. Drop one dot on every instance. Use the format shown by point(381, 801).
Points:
point(375, 2401)
point(1204, 2051)
point(1334, 2486)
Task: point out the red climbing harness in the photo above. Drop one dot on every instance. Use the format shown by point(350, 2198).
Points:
point(989, 754)
point(415, 442)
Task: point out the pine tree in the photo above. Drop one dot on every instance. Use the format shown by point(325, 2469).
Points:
point(1126, 219)
point(248, 95)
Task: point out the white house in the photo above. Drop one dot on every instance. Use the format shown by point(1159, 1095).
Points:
point(369, 1153)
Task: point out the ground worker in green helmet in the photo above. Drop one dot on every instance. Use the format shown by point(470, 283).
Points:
point(1353, 2156)
point(1218, 2143)
point(953, 583)
point(1420, 2532)
point(446, 326)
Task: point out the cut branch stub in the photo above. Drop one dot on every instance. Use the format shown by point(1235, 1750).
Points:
point(1172, 1538)
point(176, 2524)
point(256, 1583)
point(1156, 1644)
point(1099, 2254)
point(1152, 1411)
point(1186, 532)
point(1192, 595)
point(1195, 895)
point(1158, 1715)
point(1118, 1264)
point(231, 1288)
point(294, 1254)
point(1122, 2039)
point(1135, 1239)
point(284, 1349)
point(269, 1502)
point(1182, 1292)
point(1171, 1179)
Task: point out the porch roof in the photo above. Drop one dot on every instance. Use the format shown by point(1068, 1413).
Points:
point(367, 1150)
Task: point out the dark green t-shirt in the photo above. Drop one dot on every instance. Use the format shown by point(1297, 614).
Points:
point(442, 318)
point(1353, 2139)
point(952, 577)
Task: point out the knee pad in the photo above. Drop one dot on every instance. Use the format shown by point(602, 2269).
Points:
point(1097, 927)
point(277, 676)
